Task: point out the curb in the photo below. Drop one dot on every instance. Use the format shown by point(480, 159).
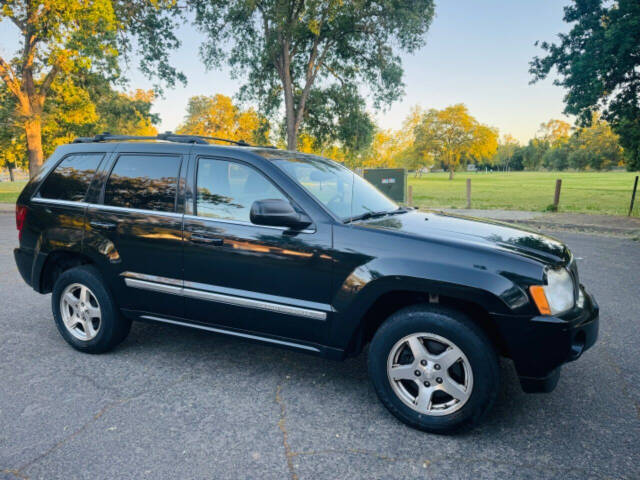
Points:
point(582, 228)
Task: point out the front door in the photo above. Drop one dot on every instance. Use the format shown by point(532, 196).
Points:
point(138, 232)
point(249, 277)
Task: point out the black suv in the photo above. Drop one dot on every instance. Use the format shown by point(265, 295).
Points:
point(300, 252)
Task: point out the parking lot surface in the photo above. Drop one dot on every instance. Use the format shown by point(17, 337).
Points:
point(178, 403)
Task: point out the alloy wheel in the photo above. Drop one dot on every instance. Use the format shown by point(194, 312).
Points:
point(430, 374)
point(80, 311)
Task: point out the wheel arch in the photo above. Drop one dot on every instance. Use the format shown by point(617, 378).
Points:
point(54, 264)
point(388, 302)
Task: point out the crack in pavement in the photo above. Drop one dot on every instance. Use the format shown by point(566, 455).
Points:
point(435, 460)
point(19, 472)
point(282, 424)
point(15, 473)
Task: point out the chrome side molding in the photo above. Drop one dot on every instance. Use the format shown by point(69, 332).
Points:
point(176, 287)
point(231, 333)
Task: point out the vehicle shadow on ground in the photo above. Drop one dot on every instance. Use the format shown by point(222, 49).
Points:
point(185, 348)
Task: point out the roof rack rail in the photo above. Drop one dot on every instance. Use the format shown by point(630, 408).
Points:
point(166, 136)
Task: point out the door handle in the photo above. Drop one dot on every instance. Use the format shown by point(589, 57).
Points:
point(198, 238)
point(103, 225)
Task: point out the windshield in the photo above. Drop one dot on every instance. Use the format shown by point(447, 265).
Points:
point(344, 193)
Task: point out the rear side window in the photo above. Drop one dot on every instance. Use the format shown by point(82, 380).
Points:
point(71, 178)
point(144, 182)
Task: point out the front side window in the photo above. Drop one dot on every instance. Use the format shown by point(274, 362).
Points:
point(71, 178)
point(143, 182)
point(226, 190)
point(343, 192)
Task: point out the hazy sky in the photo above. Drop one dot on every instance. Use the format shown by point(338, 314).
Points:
point(476, 53)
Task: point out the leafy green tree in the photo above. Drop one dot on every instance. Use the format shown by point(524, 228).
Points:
point(534, 154)
point(293, 50)
point(598, 63)
point(62, 38)
point(557, 158)
point(338, 114)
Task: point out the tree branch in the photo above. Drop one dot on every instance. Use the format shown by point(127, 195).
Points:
point(48, 80)
point(9, 77)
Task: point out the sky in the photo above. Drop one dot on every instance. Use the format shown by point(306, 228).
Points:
point(476, 53)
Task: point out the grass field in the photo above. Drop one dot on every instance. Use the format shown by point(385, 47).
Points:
point(584, 192)
point(9, 191)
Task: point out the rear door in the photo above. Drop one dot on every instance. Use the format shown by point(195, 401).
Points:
point(135, 228)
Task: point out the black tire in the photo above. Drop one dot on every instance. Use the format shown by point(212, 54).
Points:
point(467, 336)
point(113, 327)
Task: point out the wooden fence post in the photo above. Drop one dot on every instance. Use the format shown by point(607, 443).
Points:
point(410, 196)
point(633, 195)
point(556, 196)
point(468, 193)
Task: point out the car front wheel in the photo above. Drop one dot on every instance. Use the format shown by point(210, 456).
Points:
point(434, 369)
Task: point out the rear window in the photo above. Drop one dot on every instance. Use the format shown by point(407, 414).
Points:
point(144, 182)
point(71, 178)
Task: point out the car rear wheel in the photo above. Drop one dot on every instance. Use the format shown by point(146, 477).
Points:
point(85, 313)
point(434, 369)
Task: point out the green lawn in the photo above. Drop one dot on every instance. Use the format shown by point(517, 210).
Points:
point(584, 192)
point(9, 191)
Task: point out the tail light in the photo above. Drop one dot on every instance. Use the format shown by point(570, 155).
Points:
point(21, 215)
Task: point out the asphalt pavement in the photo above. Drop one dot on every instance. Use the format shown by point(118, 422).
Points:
point(177, 403)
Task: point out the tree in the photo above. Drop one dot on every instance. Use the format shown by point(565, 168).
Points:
point(292, 50)
point(506, 151)
point(557, 158)
point(555, 132)
point(337, 115)
point(451, 134)
point(217, 116)
point(59, 39)
point(534, 153)
point(598, 64)
point(12, 153)
point(595, 147)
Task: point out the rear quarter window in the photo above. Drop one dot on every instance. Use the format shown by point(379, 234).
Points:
point(144, 182)
point(71, 178)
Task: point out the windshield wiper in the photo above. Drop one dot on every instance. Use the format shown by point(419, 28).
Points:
point(372, 214)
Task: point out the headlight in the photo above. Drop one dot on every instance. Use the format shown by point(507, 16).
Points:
point(557, 295)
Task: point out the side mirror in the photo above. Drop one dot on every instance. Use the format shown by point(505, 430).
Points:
point(277, 213)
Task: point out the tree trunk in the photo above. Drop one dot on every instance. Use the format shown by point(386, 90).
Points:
point(290, 109)
point(450, 173)
point(33, 129)
point(10, 168)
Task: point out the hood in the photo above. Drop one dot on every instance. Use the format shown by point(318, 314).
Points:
point(444, 226)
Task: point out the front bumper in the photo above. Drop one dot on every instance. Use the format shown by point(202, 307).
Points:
point(539, 346)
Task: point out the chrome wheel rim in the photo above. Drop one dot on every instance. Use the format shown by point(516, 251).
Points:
point(430, 374)
point(80, 312)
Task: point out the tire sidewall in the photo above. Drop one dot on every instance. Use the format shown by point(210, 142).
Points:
point(455, 327)
point(88, 276)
